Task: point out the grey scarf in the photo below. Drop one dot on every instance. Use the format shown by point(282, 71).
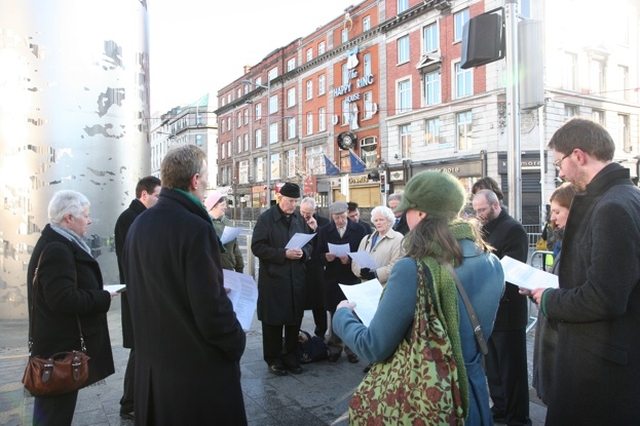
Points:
point(71, 236)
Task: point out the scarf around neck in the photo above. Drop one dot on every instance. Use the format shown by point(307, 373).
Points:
point(71, 236)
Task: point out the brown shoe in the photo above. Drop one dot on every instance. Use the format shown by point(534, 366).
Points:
point(353, 358)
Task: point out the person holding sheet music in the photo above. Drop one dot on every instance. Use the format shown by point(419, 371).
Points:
point(216, 205)
point(437, 237)
point(384, 245)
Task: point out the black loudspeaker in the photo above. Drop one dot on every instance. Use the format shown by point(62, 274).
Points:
point(482, 40)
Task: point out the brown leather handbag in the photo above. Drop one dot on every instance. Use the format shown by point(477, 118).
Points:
point(60, 373)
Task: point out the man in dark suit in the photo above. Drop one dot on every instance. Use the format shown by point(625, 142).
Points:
point(338, 268)
point(314, 298)
point(147, 193)
point(400, 225)
point(506, 361)
point(354, 215)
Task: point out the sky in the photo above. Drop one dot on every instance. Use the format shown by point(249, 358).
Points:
point(197, 47)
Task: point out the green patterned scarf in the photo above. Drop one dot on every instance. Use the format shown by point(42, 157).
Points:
point(447, 296)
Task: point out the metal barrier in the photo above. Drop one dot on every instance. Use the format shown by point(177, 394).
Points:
point(538, 259)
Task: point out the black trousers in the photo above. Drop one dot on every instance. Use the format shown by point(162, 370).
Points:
point(272, 347)
point(126, 402)
point(320, 320)
point(507, 375)
point(55, 410)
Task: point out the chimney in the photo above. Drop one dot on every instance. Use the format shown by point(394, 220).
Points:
point(247, 68)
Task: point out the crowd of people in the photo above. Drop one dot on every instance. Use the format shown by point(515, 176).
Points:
point(447, 342)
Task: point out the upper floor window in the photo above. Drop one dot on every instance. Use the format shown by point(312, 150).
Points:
point(246, 116)
point(403, 5)
point(273, 73)
point(369, 108)
point(273, 104)
point(291, 128)
point(459, 19)
point(569, 71)
point(322, 120)
point(464, 123)
point(432, 132)
point(405, 140)
point(432, 88)
point(403, 49)
point(344, 35)
point(321, 48)
point(366, 23)
point(291, 97)
point(309, 89)
point(321, 85)
point(403, 101)
point(258, 138)
point(463, 81)
point(366, 66)
point(597, 77)
point(309, 123)
point(431, 37)
point(291, 64)
point(258, 111)
point(309, 54)
point(345, 74)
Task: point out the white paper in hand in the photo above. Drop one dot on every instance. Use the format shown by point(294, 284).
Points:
point(366, 295)
point(525, 276)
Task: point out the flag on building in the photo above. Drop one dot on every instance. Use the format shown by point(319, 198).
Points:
point(330, 167)
point(357, 165)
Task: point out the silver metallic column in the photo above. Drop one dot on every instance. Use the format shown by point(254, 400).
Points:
point(74, 103)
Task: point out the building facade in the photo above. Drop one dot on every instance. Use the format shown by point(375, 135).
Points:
point(379, 94)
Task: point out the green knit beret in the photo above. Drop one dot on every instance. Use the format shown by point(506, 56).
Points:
point(435, 193)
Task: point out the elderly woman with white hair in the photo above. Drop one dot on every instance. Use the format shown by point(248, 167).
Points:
point(69, 289)
point(384, 245)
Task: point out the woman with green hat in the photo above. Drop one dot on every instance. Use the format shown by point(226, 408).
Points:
point(427, 363)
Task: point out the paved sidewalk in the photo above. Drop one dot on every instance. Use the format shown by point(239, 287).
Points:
point(319, 396)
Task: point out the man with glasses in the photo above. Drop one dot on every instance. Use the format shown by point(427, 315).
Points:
point(597, 306)
point(281, 281)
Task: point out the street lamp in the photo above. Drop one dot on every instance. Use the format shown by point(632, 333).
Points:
point(268, 133)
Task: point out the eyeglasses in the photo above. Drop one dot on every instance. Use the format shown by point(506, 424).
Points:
point(558, 164)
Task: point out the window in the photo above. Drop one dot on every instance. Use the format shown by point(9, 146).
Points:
point(459, 19)
point(403, 5)
point(432, 85)
point(291, 97)
point(597, 77)
point(344, 35)
point(259, 138)
point(309, 123)
point(368, 152)
point(403, 49)
point(291, 128)
point(623, 73)
point(403, 102)
point(259, 172)
point(222, 126)
point(291, 64)
point(321, 85)
point(258, 112)
point(322, 120)
point(273, 104)
point(239, 144)
point(258, 81)
point(525, 8)
point(273, 73)
point(598, 116)
point(229, 122)
point(229, 149)
point(623, 132)
point(239, 93)
point(463, 81)
point(464, 122)
point(239, 119)
point(275, 166)
point(366, 23)
point(569, 71)
point(366, 66)
point(309, 89)
point(405, 140)
point(345, 112)
point(273, 133)
point(243, 171)
point(291, 163)
point(246, 116)
point(431, 38)
point(345, 74)
point(315, 160)
point(246, 142)
point(432, 132)
point(571, 111)
point(321, 48)
point(309, 54)
point(368, 105)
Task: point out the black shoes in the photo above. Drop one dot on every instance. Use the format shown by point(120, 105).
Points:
point(334, 357)
point(127, 416)
point(367, 368)
point(294, 368)
point(279, 370)
point(353, 358)
point(498, 416)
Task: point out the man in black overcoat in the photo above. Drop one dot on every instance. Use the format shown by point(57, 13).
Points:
point(147, 193)
point(506, 361)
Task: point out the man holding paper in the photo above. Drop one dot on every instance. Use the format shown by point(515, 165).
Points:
point(341, 231)
point(281, 280)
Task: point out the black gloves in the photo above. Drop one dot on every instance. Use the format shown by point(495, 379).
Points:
point(367, 274)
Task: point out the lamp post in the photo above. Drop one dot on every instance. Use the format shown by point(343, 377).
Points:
point(268, 133)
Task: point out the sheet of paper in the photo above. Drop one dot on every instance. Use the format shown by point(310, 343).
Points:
point(525, 276)
point(364, 259)
point(366, 295)
point(243, 295)
point(299, 240)
point(115, 288)
point(230, 233)
point(339, 249)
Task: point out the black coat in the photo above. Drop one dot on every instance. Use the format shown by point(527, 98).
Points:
point(58, 303)
point(508, 238)
point(335, 272)
point(314, 298)
point(187, 338)
point(123, 223)
point(597, 308)
point(402, 226)
point(281, 282)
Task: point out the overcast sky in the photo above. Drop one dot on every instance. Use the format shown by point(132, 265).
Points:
point(200, 46)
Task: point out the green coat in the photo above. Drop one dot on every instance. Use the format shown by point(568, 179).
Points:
point(232, 258)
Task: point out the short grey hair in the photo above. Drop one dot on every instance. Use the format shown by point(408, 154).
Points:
point(488, 195)
point(309, 200)
point(65, 202)
point(394, 197)
point(385, 211)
